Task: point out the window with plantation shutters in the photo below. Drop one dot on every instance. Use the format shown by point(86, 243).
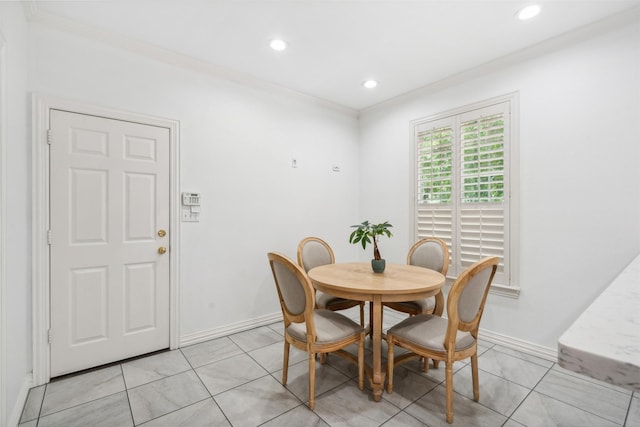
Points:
point(463, 178)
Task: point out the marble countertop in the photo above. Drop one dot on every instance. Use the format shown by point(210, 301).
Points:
point(604, 342)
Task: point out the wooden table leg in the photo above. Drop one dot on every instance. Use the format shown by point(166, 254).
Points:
point(377, 383)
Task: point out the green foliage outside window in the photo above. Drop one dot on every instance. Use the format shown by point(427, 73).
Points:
point(436, 166)
point(481, 163)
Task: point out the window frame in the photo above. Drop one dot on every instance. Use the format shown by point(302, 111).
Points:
point(508, 285)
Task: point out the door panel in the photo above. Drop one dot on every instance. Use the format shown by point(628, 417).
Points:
point(139, 295)
point(109, 196)
point(88, 291)
point(140, 221)
point(88, 200)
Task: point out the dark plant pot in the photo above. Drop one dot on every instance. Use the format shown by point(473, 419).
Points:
point(378, 265)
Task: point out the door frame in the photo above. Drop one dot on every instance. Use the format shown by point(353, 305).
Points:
point(41, 106)
point(4, 416)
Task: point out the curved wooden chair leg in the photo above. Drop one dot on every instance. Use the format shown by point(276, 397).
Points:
point(312, 380)
point(285, 363)
point(474, 375)
point(361, 362)
point(390, 366)
point(449, 386)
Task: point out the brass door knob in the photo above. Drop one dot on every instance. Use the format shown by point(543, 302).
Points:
point(162, 250)
point(162, 233)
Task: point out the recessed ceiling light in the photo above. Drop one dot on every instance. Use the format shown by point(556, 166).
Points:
point(370, 84)
point(528, 12)
point(278, 44)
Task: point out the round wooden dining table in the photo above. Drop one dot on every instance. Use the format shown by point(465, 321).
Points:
point(398, 282)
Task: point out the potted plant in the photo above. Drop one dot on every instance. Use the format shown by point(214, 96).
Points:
point(368, 233)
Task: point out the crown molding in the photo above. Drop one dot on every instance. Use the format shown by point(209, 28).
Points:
point(167, 56)
point(627, 17)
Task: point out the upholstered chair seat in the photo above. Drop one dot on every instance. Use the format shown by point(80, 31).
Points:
point(428, 331)
point(314, 252)
point(424, 305)
point(454, 338)
point(432, 253)
point(330, 327)
point(315, 331)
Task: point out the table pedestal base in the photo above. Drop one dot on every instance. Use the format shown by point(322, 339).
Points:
point(356, 281)
point(377, 374)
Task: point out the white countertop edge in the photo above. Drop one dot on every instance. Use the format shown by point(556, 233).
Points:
point(604, 342)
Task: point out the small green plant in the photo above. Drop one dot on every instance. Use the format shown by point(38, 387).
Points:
point(368, 233)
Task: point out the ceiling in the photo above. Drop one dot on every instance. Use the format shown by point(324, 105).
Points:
point(334, 45)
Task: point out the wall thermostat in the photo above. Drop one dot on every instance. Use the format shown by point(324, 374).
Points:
point(190, 199)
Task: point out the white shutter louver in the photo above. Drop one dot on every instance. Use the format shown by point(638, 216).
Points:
point(435, 173)
point(435, 165)
point(482, 225)
point(435, 221)
point(482, 160)
point(481, 234)
point(462, 185)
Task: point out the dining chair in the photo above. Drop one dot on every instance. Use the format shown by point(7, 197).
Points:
point(452, 339)
point(431, 253)
point(313, 252)
point(310, 329)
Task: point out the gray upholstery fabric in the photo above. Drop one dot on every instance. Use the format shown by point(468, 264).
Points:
point(428, 255)
point(330, 327)
point(424, 304)
point(471, 296)
point(428, 331)
point(291, 289)
point(326, 301)
point(314, 254)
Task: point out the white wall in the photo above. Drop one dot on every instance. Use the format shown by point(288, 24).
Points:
point(17, 235)
point(237, 143)
point(579, 175)
point(579, 105)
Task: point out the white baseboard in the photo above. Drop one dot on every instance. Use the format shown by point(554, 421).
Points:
point(233, 328)
point(550, 354)
point(21, 400)
point(546, 353)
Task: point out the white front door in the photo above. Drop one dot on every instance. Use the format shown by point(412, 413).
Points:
point(109, 214)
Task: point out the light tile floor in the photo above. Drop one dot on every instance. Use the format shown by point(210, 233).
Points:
point(235, 381)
